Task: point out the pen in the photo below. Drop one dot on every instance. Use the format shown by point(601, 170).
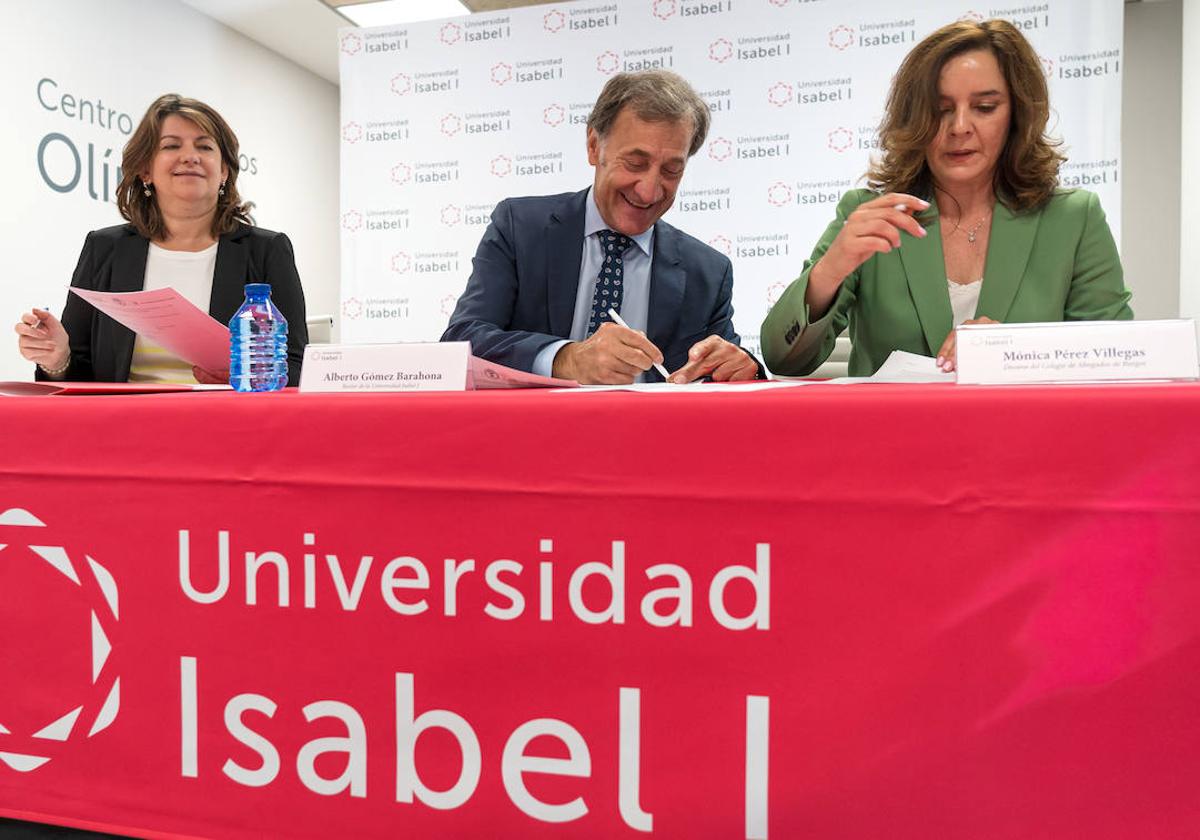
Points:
point(612, 313)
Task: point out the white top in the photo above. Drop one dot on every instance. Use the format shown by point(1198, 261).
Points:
point(964, 299)
point(191, 274)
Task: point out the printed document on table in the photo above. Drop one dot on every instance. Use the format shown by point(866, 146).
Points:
point(487, 375)
point(901, 366)
point(692, 387)
point(170, 320)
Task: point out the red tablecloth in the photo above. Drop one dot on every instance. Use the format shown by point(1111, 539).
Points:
point(904, 612)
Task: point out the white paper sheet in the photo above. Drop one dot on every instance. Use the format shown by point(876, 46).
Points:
point(901, 366)
point(170, 320)
point(692, 388)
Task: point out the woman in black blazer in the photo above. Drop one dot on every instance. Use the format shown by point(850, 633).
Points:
point(178, 192)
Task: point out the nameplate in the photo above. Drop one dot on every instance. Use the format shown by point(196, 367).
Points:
point(1076, 351)
point(433, 366)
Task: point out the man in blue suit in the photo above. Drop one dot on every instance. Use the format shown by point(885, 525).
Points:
point(549, 268)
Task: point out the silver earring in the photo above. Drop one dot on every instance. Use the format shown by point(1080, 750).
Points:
point(222, 190)
point(146, 188)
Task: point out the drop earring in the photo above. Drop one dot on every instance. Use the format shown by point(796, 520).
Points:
point(221, 191)
point(146, 188)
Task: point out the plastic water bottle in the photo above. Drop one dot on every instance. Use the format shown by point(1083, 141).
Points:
point(258, 343)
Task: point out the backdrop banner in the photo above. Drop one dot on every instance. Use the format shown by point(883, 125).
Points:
point(440, 120)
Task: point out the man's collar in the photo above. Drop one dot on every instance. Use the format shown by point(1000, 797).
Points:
point(593, 223)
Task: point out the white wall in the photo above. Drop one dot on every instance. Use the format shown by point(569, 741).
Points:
point(121, 54)
point(1189, 214)
point(1150, 144)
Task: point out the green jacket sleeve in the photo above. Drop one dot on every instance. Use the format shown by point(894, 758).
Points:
point(792, 344)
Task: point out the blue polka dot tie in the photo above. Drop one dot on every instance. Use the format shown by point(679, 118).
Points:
point(610, 283)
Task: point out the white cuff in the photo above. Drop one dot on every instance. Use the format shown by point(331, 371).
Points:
point(543, 362)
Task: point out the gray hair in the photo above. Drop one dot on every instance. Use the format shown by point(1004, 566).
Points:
point(655, 96)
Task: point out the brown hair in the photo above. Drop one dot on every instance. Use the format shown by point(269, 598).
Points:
point(655, 96)
point(142, 210)
point(1027, 173)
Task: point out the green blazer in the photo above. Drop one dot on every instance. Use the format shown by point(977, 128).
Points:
point(1059, 263)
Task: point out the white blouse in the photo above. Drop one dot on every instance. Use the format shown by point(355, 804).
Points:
point(964, 299)
point(191, 274)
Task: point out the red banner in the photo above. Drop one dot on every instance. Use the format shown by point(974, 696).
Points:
point(883, 611)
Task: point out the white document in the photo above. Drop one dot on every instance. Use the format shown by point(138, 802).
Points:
point(169, 320)
point(693, 387)
point(901, 366)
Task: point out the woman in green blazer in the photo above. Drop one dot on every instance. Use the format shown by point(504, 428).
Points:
point(970, 226)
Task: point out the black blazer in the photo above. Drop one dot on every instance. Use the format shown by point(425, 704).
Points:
point(525, 278)
point(114, 260)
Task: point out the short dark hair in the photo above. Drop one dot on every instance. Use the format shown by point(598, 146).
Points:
point(655, 96)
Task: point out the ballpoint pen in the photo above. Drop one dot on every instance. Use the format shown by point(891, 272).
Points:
point(612, 313)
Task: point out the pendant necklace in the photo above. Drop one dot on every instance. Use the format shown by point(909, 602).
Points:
point(974, 231)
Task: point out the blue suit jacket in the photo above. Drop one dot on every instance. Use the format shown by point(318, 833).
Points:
point(525, 277)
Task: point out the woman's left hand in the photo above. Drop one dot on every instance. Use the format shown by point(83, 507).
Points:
point(947, 356)
point(205, 377)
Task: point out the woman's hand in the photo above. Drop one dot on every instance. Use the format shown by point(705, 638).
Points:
point(947, 356)
point(873, 228)
point(43, 340)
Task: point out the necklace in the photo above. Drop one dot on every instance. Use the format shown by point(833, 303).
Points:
point(973, 231)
